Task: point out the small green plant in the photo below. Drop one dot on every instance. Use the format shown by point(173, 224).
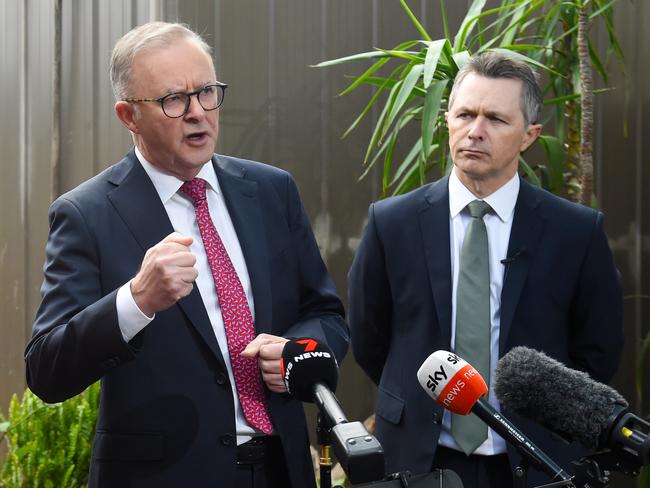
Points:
point(48, 445)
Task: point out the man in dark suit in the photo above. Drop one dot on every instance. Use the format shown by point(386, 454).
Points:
point(537, 271)
point(175, 277)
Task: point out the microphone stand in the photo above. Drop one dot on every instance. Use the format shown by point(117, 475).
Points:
point(323, 435)
point(438, 478)
point(593, 470)
point(520, 475)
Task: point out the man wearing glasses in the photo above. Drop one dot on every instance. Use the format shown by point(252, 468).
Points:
point(175, 277)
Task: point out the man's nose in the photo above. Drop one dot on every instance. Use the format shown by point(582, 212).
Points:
point(195, 109)
point(477, 128)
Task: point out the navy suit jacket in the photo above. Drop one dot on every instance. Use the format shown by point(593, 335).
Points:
point(561, 295)
point(166, 416)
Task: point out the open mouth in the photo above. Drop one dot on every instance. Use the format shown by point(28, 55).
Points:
point(197, 137)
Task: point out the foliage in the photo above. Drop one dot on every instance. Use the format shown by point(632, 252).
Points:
point(416, 90)
point(49, 445)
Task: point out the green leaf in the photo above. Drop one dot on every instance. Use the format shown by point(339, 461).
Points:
point(372, 80)
point(460, 59)
point(595, 60)
point(640, 369)
point(529, 172)
point(526, 59)
point(4, 426)
point(410, 180)
point(468, 24)
point(387, 83)
point(354, 57)
point(363, 113)
point(372, 162)
point(405, 90)
point(413, 56)
point(562, 99)
point(401, 123)
point(445, 22)
point(504, 12)
point(606, 12)
point(515, 18)
point(360, 79)
point(554, 150)
point(375, 134)
point(522, 47)
point(388, 159)
point(406, 162)
point(434, 49)
point(415, 21)
point(430, 114)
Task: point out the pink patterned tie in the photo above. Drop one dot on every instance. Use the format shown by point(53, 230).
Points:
point(237, 318)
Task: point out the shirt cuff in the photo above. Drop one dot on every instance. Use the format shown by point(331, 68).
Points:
point(129, 316)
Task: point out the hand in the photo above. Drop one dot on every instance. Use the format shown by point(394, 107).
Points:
point(166, 275)
point(268, 349)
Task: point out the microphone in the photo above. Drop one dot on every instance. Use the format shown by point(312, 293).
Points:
point(310, 373)
point(511, 259)
point(459, 387)
point(571, 404)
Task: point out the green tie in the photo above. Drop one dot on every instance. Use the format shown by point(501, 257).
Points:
point(473, 319)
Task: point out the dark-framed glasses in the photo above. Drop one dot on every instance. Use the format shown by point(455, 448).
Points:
point(176, 105)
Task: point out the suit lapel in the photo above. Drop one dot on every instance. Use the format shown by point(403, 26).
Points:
point(524, 238)
point(136, 200)
point(244, 207)
point(434, 226)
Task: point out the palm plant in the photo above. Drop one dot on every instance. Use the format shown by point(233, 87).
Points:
point(551, 35)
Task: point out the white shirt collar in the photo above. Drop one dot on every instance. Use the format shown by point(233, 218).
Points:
point(168, 185)
point(502, 201)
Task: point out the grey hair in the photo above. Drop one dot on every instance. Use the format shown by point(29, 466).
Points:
point(493, 64)
point(151, 35)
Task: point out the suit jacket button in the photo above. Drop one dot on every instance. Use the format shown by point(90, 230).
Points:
point(436, 418)
point(220, 378)
point(227, 439)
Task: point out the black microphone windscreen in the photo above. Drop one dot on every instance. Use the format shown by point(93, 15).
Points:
point(566, 401)
point(306, 362)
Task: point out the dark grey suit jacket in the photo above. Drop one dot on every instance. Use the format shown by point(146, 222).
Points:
point(166, 417)
point(561, 295)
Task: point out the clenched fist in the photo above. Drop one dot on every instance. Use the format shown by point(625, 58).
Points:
point(166, 275)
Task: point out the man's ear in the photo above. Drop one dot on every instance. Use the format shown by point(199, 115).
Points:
point(532, 133)
point(126, 114)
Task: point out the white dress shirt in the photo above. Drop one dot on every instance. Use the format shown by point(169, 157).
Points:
point(180, 210)
point(498, 224)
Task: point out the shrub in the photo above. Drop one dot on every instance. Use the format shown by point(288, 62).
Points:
point(48, 445)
